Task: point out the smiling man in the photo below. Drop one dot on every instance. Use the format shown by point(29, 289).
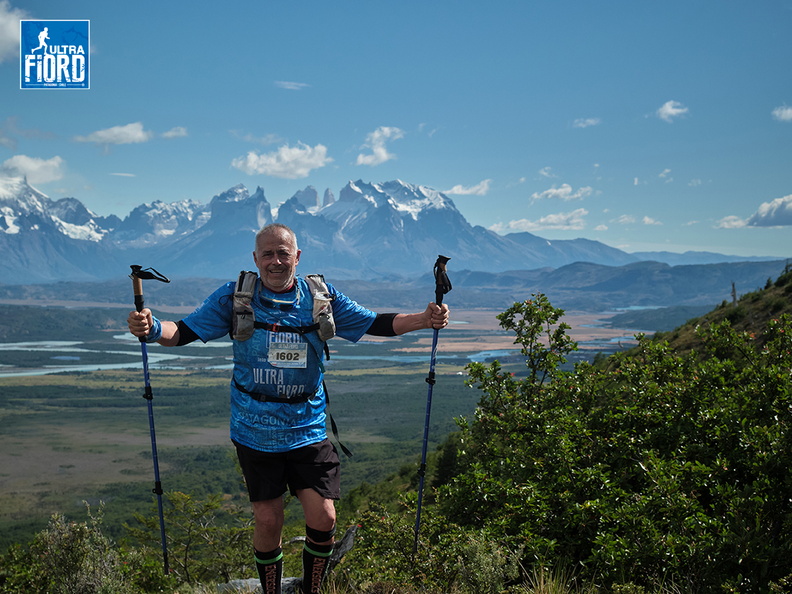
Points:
point(278, 400)
point(276, 257)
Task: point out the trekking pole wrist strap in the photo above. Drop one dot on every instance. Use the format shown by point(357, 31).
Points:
point(156, 331)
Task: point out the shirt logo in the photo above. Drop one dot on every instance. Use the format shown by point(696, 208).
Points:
point(54, 54)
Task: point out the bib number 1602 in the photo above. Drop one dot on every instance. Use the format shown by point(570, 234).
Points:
point(294, 355)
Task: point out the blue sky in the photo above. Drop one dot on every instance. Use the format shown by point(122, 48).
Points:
point(647, 126)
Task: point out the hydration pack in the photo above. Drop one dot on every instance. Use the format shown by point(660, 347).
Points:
point(244, 320)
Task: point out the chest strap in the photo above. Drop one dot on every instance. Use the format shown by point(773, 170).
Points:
point(259, 397)
point(292, 329)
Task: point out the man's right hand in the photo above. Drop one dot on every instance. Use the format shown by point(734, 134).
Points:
point(140, 322)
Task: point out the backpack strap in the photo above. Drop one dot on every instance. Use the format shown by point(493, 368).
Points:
point(281, 328)
point(242, 324)
point(322, 306)
point(259, 397)
point(344, 449)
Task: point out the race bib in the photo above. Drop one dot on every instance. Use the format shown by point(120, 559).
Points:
point(288, 354)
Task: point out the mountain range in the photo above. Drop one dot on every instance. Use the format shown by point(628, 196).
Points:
point(375, 231)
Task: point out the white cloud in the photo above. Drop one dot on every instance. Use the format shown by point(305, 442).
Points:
point(666, 175)
point(128, 134)
point(671, 110)
point(730, 222)
point(650, 221)
point(124, 174)
point(776, 213)
point(783, 113)
point(291, 86)
point(38, 171)
point(563, 192)
point(547, 172)
point(624, 220)
point(175, 132)
point(480, 189)
point(287, 162)
point(9, 30)
point(569, 221)
point(586, 122)
point(376, 142)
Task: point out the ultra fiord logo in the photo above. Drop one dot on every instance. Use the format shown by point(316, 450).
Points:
point(54, 54)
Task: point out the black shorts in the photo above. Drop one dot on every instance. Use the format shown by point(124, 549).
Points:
point(268, 474)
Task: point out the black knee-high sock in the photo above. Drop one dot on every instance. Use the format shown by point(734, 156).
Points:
point(315, 558)
point(270, 570)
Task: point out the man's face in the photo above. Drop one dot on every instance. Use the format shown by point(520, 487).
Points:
point(276, 256)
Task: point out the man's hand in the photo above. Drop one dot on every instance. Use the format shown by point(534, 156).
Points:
point(436, 315)
point(140, 323)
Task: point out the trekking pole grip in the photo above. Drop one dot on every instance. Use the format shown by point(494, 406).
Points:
point(442, 284)
point(138, 275)
point(137, 287)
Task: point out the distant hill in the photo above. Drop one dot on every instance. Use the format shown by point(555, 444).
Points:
point(581, 287)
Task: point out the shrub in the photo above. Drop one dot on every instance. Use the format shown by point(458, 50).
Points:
point(67, 557)
point(206, 541)
point(447, 559)
point(657, 468)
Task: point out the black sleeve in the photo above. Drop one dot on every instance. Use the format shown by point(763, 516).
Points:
point(382, 325)
point(186, 334)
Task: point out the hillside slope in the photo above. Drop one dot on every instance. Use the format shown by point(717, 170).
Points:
point(750, 313)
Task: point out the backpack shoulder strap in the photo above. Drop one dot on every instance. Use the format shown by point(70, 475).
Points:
point(318, 285)
point(242, 324)
point(322, 306)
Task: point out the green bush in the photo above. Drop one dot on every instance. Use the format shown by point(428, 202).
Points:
point(657, 468)
point(448, 558)
point(67, 557)
point(207, 541)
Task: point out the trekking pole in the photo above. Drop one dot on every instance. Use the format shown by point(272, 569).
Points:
point(442, 286)
point(137, 276)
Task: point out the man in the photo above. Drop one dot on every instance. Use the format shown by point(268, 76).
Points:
point(277, 395)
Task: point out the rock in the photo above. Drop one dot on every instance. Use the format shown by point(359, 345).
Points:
point(253, 586)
